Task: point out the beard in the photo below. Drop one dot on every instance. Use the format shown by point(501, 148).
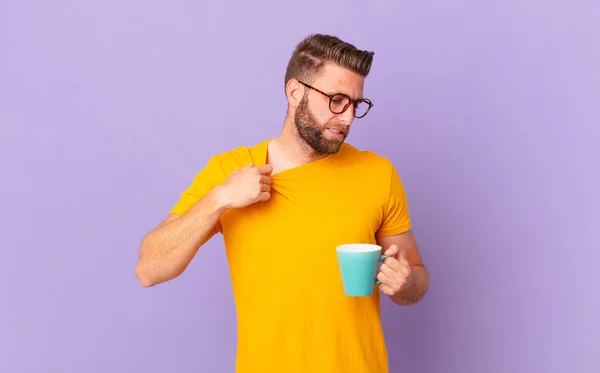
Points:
point(312, 133)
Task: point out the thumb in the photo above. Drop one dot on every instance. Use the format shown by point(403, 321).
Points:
point(392, 250)
point(402, 256)
point(265, 169)
point(248, 166)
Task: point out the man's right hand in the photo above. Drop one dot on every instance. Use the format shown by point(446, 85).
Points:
point(246, 186)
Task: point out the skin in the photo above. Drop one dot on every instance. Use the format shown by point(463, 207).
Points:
point(167, 250)
point(403, 276)
point(289, 149)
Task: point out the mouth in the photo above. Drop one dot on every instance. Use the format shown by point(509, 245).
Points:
point(336, 132)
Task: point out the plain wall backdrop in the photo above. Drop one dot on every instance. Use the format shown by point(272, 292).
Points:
point(488, 109)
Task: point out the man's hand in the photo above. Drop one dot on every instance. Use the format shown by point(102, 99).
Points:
point(246, 186)
point(395, 273)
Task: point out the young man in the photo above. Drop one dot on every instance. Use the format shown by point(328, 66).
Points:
point(283, 206)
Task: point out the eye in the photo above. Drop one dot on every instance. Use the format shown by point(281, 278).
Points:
point(337, 99)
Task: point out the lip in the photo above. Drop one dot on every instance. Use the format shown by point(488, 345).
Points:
point(340, 133)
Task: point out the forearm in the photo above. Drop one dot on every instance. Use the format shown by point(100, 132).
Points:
point(167, 250)
point(414, 289)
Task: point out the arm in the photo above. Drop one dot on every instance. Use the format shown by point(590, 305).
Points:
point(403, 277)
point(167, 250)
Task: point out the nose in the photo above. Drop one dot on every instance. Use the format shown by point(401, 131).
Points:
point(347, 117)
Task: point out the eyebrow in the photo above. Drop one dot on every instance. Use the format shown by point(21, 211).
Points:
point(345, 94)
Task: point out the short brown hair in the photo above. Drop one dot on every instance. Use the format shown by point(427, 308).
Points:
point(314, 51)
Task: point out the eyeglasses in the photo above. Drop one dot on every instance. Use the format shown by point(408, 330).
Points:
point(339, 103)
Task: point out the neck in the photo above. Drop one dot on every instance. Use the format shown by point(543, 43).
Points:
point(292, 146)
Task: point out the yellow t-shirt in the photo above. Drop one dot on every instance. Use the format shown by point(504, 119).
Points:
point(293, 315)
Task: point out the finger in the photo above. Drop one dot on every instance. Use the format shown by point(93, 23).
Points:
point(386, 289)
point(402, 261)
point(391, 261)
point(265, 169)
point(402, 267)
point(265, 180)
point(384, 278)
point(391, 251)
point(388, 270)
point(397, 274)
point(391, 282)
point(264, 196)
point(265, 188)
point(248, 166)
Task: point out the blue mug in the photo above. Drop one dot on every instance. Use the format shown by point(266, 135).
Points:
point(359, 264)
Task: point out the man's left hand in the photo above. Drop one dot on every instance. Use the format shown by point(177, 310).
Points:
point(395, 272)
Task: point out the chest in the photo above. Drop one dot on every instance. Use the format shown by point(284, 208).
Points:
point(321, 211)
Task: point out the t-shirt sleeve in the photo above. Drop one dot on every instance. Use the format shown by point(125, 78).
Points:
point(396, 218)
point(203, 182)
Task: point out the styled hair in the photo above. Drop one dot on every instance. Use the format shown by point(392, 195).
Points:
point(312, 53)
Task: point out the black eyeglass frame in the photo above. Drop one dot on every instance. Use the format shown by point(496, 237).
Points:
point(352, 102)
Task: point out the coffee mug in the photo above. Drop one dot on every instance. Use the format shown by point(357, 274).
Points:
point(358, 264)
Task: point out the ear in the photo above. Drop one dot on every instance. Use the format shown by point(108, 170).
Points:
point(294, 92)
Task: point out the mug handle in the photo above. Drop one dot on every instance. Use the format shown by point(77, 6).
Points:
point(382, 258)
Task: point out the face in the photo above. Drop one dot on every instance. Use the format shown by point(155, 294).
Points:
point(317, 126)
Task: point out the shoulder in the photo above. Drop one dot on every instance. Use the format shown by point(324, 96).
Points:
point(224, 163)
point(233, 156)
point(363, 159)
point(369, 174)
point(370, 168)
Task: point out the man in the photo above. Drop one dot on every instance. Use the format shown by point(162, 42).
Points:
point(283, 206)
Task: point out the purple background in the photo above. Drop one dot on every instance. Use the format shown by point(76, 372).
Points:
point(489, 110)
